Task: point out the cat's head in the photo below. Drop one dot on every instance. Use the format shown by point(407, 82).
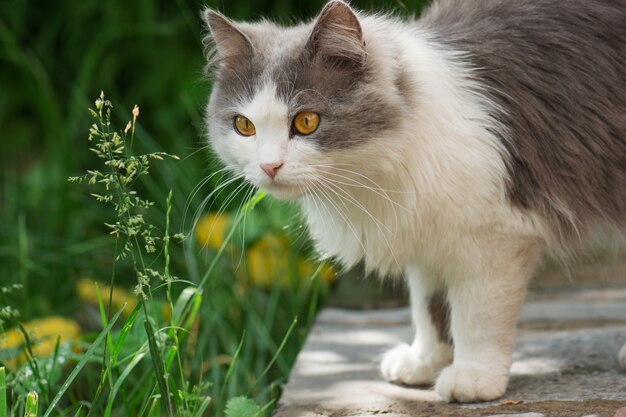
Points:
point(294, 108)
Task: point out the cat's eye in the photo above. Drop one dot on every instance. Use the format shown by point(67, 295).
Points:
point(244, 126)
point(306, 122)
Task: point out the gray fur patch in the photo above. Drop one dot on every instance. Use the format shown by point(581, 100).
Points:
point(439, 311)
point(558, 70)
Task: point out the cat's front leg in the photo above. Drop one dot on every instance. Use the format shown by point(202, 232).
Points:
point(420, 362)
point(485, 305)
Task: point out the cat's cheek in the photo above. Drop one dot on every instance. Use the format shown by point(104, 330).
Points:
point(234, 152)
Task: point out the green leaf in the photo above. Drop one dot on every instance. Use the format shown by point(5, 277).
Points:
point(241, 407)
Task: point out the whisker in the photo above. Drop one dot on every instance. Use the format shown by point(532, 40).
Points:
point(339, 212)
point(219, 213)
point(358, 184)
point(350, 199)
point(197, 188)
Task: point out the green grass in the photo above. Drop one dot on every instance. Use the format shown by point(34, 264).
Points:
point(227, 336)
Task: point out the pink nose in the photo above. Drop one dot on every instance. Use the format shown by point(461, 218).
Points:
point(271, 169)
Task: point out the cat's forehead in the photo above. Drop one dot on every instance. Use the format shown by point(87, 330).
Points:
point(266, 107)
point(274, 43)
point(277, 61)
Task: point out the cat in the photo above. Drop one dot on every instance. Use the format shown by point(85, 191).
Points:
point(453, 149)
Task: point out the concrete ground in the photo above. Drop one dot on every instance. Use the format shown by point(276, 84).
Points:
point(564, 363)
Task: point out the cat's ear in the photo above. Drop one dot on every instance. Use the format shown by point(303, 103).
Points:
point(231, 48)
point(337, 37)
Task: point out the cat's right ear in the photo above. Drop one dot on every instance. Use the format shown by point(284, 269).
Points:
point(228, 46)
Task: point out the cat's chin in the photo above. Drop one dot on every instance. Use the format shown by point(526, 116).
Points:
point(283, 191)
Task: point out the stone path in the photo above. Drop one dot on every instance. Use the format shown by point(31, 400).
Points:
point(564, 364)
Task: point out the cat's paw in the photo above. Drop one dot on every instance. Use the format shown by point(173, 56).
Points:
point(466, 384)
point(621, 356)
point(404, 365)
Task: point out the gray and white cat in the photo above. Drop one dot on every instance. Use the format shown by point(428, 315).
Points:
point(453, 149)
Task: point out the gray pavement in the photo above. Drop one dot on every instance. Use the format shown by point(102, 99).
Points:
point(564, 363)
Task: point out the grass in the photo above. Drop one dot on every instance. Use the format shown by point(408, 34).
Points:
point(228, 327)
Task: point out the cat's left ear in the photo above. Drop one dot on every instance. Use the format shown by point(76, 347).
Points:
point(337, 37)
point(233, 48)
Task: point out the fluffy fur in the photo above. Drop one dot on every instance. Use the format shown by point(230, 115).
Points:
point(445, 152)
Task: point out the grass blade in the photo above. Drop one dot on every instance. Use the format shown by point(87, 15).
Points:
point(202, 407)
point(118, 383)
point(103, 314)
point(4, 412)
point(280, 349)
point(122, 336)
point(231, 367)
point(83, 361)
point(265, 407)
point(32, 404)
point(182, 304)
point(30, 358)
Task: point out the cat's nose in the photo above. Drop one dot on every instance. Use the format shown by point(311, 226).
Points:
point(271, 169)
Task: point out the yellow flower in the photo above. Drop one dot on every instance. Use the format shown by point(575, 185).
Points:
point(268, 264)
point(267, 261)
point(211, 230)
point(43, 334)
point(86, 290)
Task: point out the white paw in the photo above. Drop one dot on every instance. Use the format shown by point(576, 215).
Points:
point(465, 384)
point(403, 365)
point(621, 356)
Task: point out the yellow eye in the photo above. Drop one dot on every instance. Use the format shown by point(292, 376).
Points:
point(306, 122)
point(244, 126)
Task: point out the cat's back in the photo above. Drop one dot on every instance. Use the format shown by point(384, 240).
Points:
point(557, 71)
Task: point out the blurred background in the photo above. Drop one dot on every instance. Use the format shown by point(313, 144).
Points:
point(55, 59)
